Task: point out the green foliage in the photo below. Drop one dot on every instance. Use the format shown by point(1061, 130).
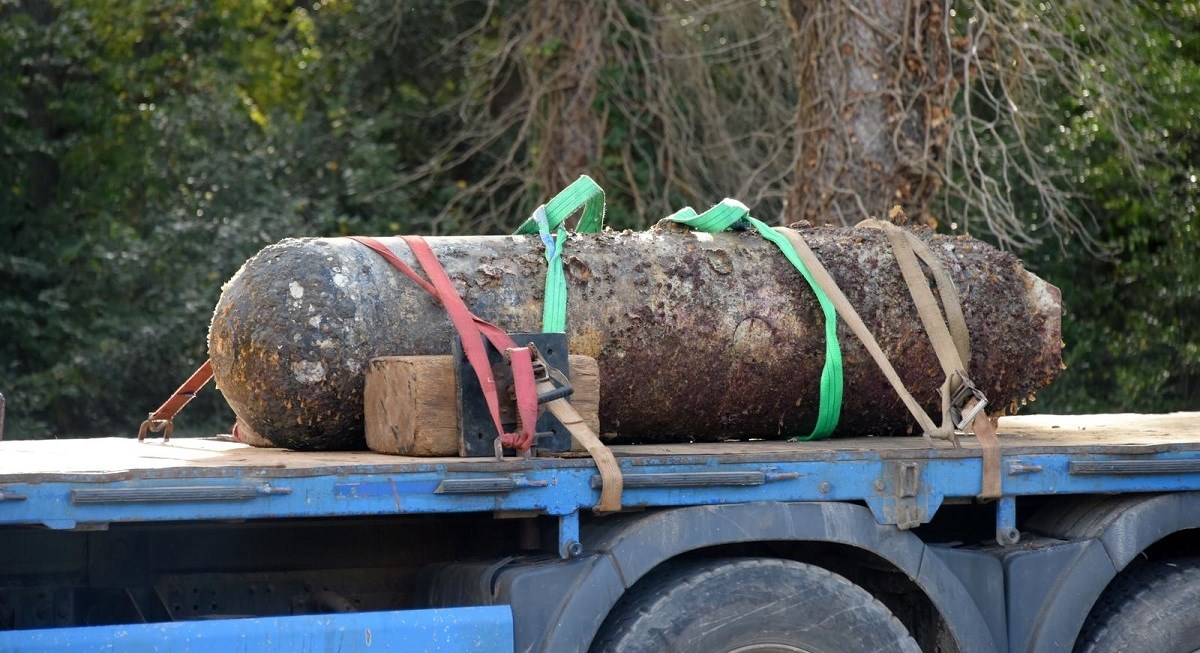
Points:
point(1133, 339)
point(151, 147)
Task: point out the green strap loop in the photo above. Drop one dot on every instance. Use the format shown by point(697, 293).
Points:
point(582, 193)
point(730, 213)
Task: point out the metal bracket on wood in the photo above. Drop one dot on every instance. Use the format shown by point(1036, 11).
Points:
point(477, 432)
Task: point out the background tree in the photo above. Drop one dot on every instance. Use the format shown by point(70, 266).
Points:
point(152, 146)
point(876, 84)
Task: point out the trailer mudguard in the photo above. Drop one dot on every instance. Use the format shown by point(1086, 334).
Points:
point(1101, 535)
point(560, 605)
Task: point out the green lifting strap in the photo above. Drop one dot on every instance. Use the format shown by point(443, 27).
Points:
point(582, 193)
point(730, 213)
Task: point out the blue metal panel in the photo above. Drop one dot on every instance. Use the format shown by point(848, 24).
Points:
point(561, 487)
point(449, 630)
point(1055, 477)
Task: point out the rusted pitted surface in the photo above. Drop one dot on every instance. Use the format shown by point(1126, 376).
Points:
point(697, 336)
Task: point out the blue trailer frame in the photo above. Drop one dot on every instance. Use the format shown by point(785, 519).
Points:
point(905, 491)
point(883, 491)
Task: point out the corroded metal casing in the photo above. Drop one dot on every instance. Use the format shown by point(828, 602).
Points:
point(698, 336)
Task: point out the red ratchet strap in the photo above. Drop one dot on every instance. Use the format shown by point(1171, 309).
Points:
point(473, 330)
point(161, 419)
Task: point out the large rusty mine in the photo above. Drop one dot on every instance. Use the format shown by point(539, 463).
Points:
point(698, 337)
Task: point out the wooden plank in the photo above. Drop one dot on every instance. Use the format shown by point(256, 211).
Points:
point(23, 461)
point(33, 461)
point(1101, 429)
point(410, 407)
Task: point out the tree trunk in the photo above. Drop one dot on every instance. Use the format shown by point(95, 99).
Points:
point(569, 138)
point(875, 94)
point(698, 337)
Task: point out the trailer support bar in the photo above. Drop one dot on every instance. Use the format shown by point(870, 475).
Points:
point(487, 629)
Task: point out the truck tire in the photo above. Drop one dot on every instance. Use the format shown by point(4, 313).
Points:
point(750, 604)
point(1149, 608)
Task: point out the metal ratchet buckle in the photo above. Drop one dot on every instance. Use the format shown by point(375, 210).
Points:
point(152, 425)
point(498, 446)
point(526, 454)
point(959, 399)
point(542, 372)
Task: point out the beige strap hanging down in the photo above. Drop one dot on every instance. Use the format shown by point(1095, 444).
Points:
point(611, 482)
point(950, 343)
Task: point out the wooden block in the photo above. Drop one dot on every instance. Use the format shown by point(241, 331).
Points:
point(410, 406)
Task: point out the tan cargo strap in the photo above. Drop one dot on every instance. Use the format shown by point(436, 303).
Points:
point(163, 419)
point(612, 484)
point(950, 343)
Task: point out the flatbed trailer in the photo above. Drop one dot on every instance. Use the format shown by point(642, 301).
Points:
point(208, 544)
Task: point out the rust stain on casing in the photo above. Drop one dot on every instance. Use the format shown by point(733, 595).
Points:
point(697, 338)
